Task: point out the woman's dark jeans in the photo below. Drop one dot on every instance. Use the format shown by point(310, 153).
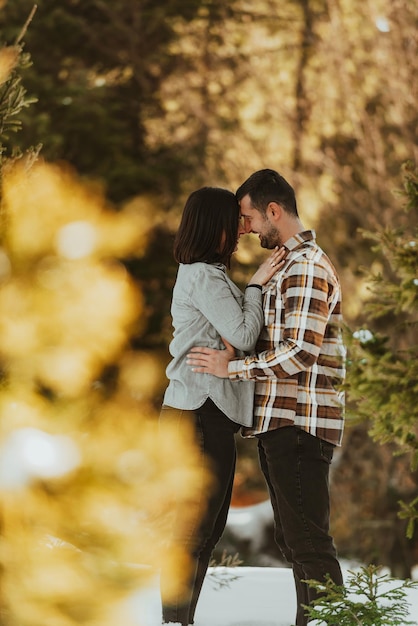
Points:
point(215, 437)
point(296, 467)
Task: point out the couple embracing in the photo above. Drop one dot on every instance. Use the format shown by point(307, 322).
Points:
point(277, 380)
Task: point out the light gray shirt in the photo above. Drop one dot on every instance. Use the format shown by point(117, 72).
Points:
point(206, 306)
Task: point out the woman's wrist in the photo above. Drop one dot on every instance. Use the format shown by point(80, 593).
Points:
point(254, 285)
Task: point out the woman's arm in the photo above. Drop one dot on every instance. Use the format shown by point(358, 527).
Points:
point(213, 296)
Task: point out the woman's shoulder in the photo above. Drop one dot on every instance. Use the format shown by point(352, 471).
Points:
point(200, 269)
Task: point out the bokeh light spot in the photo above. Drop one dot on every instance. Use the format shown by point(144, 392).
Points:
point(76, 240)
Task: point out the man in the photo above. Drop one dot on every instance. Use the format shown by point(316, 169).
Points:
point(298, 367)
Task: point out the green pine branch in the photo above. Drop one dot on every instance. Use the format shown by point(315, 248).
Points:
point(368, 598)
point(13, 95)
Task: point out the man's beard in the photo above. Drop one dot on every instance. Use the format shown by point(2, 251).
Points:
point(270, 239)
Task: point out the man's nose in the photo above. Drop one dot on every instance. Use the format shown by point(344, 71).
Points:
point(245, 226)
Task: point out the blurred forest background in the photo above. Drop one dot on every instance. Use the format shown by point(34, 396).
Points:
point(147, 101)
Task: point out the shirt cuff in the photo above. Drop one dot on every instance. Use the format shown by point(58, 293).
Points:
point(252, 292)
point(254, 285)
point(236, 369)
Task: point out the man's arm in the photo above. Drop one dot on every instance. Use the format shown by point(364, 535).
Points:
point(296, 341)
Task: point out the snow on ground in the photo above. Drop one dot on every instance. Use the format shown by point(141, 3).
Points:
point(245, 596)
point(251, 596)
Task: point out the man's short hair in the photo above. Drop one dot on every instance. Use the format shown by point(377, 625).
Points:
point(265, 186)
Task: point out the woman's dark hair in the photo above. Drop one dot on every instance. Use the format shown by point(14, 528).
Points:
point(208, 229)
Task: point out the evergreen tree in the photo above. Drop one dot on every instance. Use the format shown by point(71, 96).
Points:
point(98, 70)
point(383, 366)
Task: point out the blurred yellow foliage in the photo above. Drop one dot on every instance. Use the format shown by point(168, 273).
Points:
point(87, 480)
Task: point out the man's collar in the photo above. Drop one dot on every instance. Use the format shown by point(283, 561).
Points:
point(299, 239)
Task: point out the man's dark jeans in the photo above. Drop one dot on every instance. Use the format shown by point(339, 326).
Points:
point(296, 467)
point(215, 437)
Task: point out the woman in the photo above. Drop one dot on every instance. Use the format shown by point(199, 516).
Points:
point(206, 307)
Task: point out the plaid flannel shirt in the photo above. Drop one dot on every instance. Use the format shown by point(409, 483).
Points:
point(300, 357)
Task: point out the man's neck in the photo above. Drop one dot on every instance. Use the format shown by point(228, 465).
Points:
point(291, 228)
